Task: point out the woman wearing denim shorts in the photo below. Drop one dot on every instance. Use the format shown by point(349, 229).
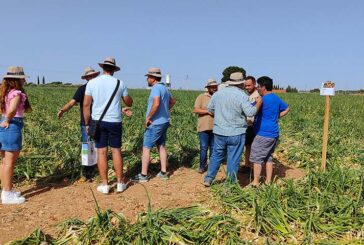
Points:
point(13, 103)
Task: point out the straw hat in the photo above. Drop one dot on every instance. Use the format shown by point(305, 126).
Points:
point(110, 61)
point(89, 71)
point(211, 82)
point(154, 72)
point(15, 72)
point(236, 78)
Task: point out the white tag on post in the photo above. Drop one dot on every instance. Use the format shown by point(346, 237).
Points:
point(88, 153)
point(327, 89)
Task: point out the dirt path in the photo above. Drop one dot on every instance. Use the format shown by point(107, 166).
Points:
point(47, 206)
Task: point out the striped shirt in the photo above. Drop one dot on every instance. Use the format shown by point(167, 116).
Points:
point(230, 106)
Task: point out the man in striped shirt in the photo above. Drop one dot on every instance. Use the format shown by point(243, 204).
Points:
point(230, 107)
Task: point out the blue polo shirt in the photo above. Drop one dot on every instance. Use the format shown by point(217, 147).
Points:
point(162, 114)
point(266, 122)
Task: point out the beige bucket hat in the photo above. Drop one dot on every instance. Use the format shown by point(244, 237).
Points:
point(211, 82)
point(154, 72)
point(236, 78)
point(89, 71)
point(110, 61)
point(15, 72)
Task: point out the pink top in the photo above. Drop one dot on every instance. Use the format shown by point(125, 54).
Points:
point(11, 95)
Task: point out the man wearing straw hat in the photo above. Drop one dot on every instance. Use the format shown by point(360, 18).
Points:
point(89, 74)
point(106, 92)
point(156, 124)
point(205, 123)
point(230, 107)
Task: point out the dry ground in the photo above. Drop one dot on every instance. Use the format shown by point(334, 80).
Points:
point(48, 205)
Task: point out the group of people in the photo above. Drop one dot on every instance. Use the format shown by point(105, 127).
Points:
point(235, 114)
point(230, 116)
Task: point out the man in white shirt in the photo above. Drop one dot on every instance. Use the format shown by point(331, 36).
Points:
point(109, 130)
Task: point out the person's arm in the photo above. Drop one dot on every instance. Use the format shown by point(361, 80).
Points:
point(14, 102)
point(249, 109)
point(283, 113)
point(66, 108)
point(200, 111)
point(153, 110)
point(211, 106)
point(172, 101)
point(128, 101)
point(87, 100)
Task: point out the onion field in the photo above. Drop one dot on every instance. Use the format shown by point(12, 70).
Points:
point(322, 207)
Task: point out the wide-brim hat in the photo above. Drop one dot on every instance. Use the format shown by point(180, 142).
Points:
point(89, 71)
point(15, 72)
point(154, 72)
point(110, 61)
point(236, 78)
point(211, 82)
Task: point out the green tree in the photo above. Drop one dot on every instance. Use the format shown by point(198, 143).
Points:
point(231, 69)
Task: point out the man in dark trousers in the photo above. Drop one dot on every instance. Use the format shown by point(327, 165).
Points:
point(88, 171)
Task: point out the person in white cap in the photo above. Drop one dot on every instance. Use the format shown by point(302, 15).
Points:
point(230, 107)
point(106, 92)
point(89, 74)
point(205, 123)
point(13, 103)
point(156, 124)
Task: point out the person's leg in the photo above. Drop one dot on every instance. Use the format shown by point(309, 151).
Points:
point(257, 171)
point(161, 136)
point(163, 157)
point(204, 144)
point(145, 160)
point(211, 142)
point(8, 169)
point(269, 164)
point(115, 135)
point(235, 147)
point(247, 155)
point(2, 166)
point(269, 172)
point(102, 164)
point(217, 157)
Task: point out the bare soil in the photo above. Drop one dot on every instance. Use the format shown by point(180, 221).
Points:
point(48, 205)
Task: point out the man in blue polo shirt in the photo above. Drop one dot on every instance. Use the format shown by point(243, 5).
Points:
point(267, 129)
point(160, 102)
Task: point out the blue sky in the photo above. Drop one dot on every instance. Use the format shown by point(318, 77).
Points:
point(300, 43)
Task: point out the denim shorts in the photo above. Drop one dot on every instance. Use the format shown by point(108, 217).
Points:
point(155, 135)
point(11, 138)
point(109, 135)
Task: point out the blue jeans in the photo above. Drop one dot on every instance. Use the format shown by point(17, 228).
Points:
point(84, 135)
point(206, 141)
point(233, 146)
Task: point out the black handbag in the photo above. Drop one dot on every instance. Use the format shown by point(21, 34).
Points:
point(94, 127)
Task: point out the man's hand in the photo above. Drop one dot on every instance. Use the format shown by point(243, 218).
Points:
point(148, 122)
point(127, 111)
point(4, 124)
point(60, 114)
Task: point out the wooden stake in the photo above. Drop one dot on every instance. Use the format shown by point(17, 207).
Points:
point(326, 131)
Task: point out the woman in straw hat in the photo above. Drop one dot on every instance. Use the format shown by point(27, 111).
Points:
point(13, 103)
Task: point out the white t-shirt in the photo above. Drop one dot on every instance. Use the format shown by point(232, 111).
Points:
point(101, 89)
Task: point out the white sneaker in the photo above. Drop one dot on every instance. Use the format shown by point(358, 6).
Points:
point(17, 193)
point(104, 189)
point(9, 197)
point(120, 187)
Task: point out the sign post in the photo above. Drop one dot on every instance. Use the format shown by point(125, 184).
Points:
point(327, 90)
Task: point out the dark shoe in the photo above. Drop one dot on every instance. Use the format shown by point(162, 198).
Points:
point(201, 170)
point(140, 178)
